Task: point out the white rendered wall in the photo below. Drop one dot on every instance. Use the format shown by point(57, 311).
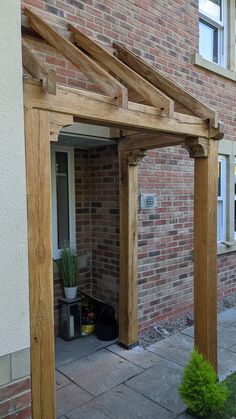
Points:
point(14, 299)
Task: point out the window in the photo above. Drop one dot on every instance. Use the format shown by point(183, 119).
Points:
point(212, 30)
point(63, 199)
point(221, 204)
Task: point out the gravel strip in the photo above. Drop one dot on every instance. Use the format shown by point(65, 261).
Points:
point(167, 328)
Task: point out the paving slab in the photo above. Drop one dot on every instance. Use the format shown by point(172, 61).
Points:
point(189, 331)
point(226, 363)
point(176, 348)
point(160, 384)
point(61, 380)
point(100, 371)
point(227, 318)
point(70, 397)
point(120, 403)
point(184, 416)
point(138, 355)
point(226, 335)
point(66, 352)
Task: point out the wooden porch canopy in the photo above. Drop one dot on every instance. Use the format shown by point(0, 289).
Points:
point(155, 112)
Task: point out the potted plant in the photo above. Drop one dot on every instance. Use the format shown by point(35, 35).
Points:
point(68, 265)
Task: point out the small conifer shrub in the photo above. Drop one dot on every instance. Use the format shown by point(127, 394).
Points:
point(200, 390)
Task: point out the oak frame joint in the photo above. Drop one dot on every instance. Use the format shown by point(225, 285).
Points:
point(197, 147)
point(135, 157)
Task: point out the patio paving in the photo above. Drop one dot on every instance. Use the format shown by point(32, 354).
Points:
point(100, 380)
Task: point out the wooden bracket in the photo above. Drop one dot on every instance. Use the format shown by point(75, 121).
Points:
point(135, 157)
point(58, 121)
point(197, 147)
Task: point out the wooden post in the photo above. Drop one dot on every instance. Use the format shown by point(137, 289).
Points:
point(128, 328)
point(205, 153)
point(38, 172)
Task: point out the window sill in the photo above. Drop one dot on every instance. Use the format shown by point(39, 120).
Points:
point(223, 248)
point(198, 60)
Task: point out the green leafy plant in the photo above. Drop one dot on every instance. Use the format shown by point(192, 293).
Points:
point(200, 390)
point(68, 265)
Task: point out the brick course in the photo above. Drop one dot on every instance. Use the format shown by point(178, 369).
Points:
point(15, 400)
point(165, 33)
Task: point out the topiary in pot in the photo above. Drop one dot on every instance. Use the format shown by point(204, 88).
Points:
point(68, 265)
point(200, 390)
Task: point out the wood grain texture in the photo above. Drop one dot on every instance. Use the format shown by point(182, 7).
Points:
point(145, 89)
point(128, 178)
point(169, 87)
point(92, 70)
point(57, 122)
point(38, 178)
point(205, 253)
point(149, 141)
point(38, 68)
point(100, 109)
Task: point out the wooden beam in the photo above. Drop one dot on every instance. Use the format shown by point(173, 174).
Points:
point(93, 108)
point(38, 178)
point(38, 68)
point(151, 94)
point(128, 177)
point(171, 88)
point(148, 141)
point(205, 251)
point(97, 74)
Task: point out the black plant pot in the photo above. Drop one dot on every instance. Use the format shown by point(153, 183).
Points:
point(106, 324)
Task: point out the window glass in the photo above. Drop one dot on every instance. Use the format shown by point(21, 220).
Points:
point(219, 178)
point(63, 230)
point(208, 41)
point(221, 200)
point(212, 8)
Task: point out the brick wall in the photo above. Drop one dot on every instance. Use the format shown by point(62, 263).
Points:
point(15, 385)
point(15, 400)
point(165, 236)
point(165, 33)
point(105, 223)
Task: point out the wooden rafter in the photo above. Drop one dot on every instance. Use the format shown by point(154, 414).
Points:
point(108, 84)
point(38, 69)
point(150, 93)
point(171, 88)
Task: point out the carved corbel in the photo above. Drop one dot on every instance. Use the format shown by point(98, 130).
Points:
point(57, 122)
point(197, 147)
point(135, 157)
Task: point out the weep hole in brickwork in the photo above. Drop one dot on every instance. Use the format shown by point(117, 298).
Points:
point(147, 110)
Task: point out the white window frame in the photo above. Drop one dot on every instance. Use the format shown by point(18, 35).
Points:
point(221, 210)
point(221, 26)
point(71, 193)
